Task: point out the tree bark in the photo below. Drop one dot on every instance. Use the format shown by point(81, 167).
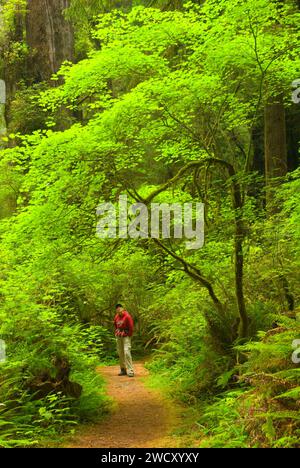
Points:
point(49, 36)
point(275, 145)
point(239, 252)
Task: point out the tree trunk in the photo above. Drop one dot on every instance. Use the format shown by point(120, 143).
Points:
point(275, 145)
point(49, 36)
point(239, 237)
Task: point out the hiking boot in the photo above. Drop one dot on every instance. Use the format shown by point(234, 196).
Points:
point(122, 372)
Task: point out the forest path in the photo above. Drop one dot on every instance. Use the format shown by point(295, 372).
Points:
point(141, 417)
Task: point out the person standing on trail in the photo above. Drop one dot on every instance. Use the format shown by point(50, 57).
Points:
point(123, 332)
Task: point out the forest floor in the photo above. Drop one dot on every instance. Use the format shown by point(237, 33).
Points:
point(141, 416)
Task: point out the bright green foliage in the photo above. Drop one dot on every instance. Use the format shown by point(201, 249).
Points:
point(157, 90)
point(266, 413)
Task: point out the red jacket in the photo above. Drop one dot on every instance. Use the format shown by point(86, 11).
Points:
point(123, 324)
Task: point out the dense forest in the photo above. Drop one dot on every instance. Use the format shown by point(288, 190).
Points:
point(162, 101)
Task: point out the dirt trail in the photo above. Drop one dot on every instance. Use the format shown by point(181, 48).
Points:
point(141, 418)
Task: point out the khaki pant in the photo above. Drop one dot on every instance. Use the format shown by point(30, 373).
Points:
point(124, 351)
